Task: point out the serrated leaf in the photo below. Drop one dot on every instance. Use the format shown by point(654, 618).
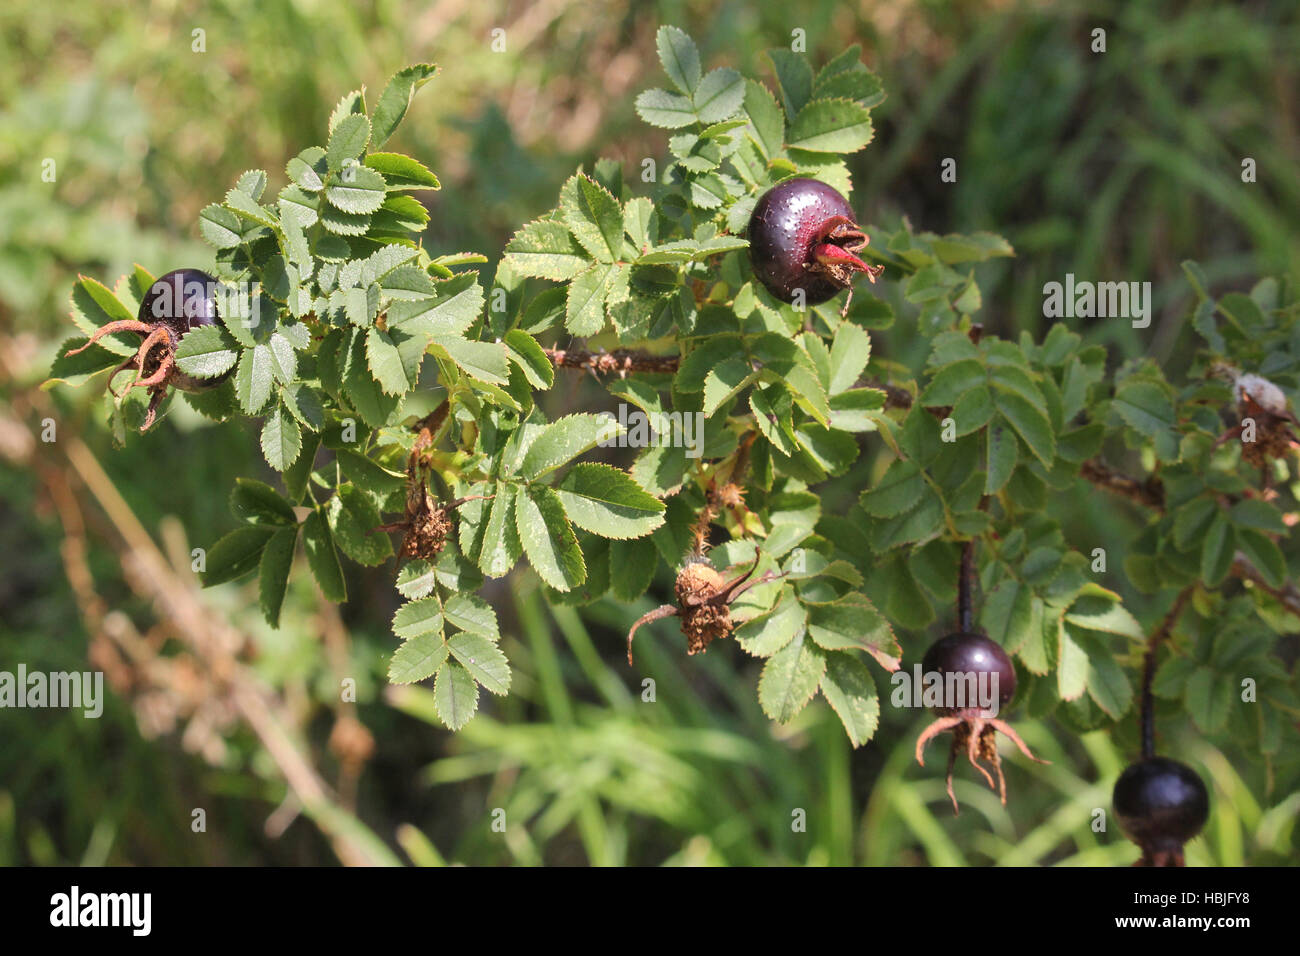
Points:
point(281, 439)
point(253, 379)
point(258, 503)
point(220, 227)
point(299, 207)
point(766, 117)
point(849, 689)
point(766, 634)
point(485, 361)
point(80, 368)
point(1071, 665)
point(418, 659)
point(93, 305)
point(418, 618)
point(347, 141)
point(273, 573)
point(719, 96)
point(385, 362)
point(854, 622)
point(563, 440)
point(206, 352)
point(790, 678)
point(455, 695)
point(830, 126)
point(402, 172)
point(357, 189)
point(396, 99)
point(485, 661)
point(1209, 698)
point(322, 558)
point(548, 539)
point(593, 216)
point(1030, 423)
point(469, 612)
point(308, 169)
point(235, 555)
point(531, 358)
point(352, 519)
point(585, 305)
point(250, 209)
point(680, 58)
point(665, 110)
point(606, 501)
point(546, 249)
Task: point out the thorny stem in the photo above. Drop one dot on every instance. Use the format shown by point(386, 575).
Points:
point(1148, 717)
point(621, 361)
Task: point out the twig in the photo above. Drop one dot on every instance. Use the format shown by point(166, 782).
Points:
point(1150, 492)
point(620, 361)
point(1147, 712)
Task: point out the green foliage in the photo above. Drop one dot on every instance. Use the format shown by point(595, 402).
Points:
point(349, 306)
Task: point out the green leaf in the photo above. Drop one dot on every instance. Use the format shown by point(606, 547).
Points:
point(219, 227)
point(1217, 550)
point(850, 353)
point(719, 96)
point(1108, 685)
point(548, 539)
point(665, 110)
point(1209, 698)
point(418, 618)
point(307, 170)
point(1030, 423)
point(80, 368)
point(251, 210)
point(791, 678)
point(273, 574)
point(323, 559)
point(357, 189)
point(455, 695)
point(281, 439)
point(254, 378)
point(417, 659)
point(483, 659)
point(235, 555)
point(854, 622)
point(206, 352)
point(585, 306)
point(1008, 615)
point(396, 98)
point(385, 360)
point(681, 59)
point(562, 441)
point(849, 689)
point(593, 216)
point(546, 249)
point(530, 358)
point(500, 547)
point(258, 503)
point(485, 361)
point(471, 613)
point(1071, 666)
point(347, 141)
point(402, 172)
point(606, 501)
point(633, 562)
point(94, 305)
point(352, 518)
point(299, 207)
point(764, 635)
point(766, 117)
point(830, 126)
point(1001, 453)
point(794, 76)
point(1144, 406)
point(1264, 554)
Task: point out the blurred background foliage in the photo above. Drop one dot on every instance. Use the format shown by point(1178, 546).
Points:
point(1112, 166)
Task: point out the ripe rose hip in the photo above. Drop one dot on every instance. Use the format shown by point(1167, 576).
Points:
point(802, 235)
point(957, 658)
point(971, 654)
point(1160, 804)
point(177, 302)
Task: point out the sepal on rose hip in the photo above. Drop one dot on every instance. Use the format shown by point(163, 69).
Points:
point(803, 237)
